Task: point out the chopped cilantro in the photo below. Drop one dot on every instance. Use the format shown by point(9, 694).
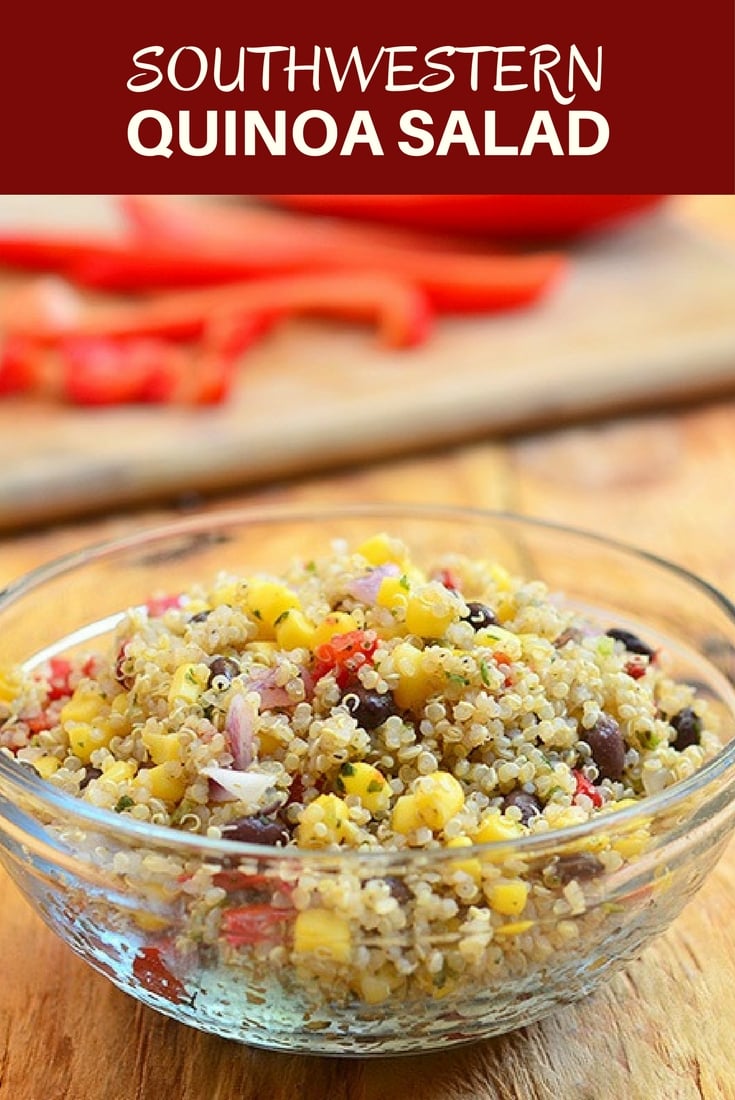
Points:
point(282, 616)
point(374, 786)
point(190, 677)
point(124, 803)
point(347, 769)
point(457, 679)
point(404, 583)
point(310, 567)
point(257, 614)
point(485, 673)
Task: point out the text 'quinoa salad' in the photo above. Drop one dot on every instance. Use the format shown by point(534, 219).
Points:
point(358, 703)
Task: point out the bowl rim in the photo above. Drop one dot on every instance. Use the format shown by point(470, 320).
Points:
point(123, 826)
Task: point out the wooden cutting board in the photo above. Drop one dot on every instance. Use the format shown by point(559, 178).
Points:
point(646, 317)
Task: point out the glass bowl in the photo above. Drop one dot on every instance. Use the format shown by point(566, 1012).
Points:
point(127, 896)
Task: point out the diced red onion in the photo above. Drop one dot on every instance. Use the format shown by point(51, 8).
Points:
point(239, 727)
point(229, 784)
point(271, 694)
point(366, 588)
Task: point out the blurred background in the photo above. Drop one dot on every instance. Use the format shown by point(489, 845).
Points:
point(155, 348)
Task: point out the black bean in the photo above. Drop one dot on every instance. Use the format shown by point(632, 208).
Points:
point(576, 865)
point(688, 726)
point(257, 830)
point(632, 642)
point(479, 616)
point(398, 889)
point(528, 804)
point(89, 774)
point(222, 671)
point(200, 617)
point(369, 708)
point(608, 748)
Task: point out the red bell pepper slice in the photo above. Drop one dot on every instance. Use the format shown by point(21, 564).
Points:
point(518, 217)
point(58, 678)
point(399, 309)
point(455, 277)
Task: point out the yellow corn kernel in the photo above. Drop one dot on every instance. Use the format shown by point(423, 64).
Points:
point(84, 738)
point(120, 704)
point(393, 593)
point(405, 818)
point(633, 844)
point(367, 783)
point(46, 766)
point(373, 989)
point(295, 631)
point(149, 922)
point(324, 932)
point(84, 706)
point(324, 821)
point(10, 681)
point(267, 743)
point(337, 622)
point(381, 549)
point(514, 928)
point(119, 771)
point(162, 747)
point(187, 684)
point(508, 898)
point(415, 683)
point(498, 827)
point(472, 866)
point(164, 781)
point(428, 613)
point(438, 798)
point(267, 601)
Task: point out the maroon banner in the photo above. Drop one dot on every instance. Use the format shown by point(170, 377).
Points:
point(385, 99)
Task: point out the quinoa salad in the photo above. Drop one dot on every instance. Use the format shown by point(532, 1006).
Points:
point(356, 704)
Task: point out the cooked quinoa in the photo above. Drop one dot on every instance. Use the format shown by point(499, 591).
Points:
point(359, 703)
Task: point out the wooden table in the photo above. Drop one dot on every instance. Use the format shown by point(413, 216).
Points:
point(662, 1030)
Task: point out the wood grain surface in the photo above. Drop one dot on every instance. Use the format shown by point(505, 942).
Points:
point(645, 315)
point(662, 1030)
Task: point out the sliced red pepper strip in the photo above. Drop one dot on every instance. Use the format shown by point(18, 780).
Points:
point(521, 217)
point(455, 278)
point(399, 309)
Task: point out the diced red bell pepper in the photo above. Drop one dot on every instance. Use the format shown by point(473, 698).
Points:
point(37, 723)
point(345, 654)
point(58, 679)
point(159, 605)
point(583, 786)
point(154, 975)
point(636, 669)
point(448, 579)
point(250, 924)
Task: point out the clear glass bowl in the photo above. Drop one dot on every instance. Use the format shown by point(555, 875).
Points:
point(124, 895)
